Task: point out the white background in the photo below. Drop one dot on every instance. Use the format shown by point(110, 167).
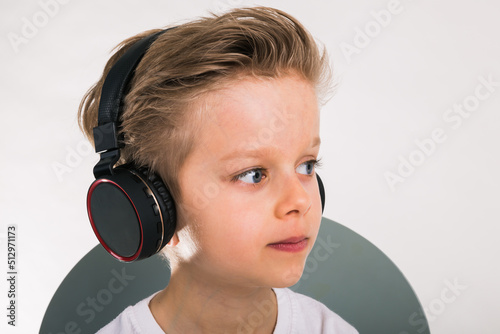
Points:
point(440, 224)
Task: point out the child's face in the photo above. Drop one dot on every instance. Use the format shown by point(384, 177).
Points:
point(271, 124)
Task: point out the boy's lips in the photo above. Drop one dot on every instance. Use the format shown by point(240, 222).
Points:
point(293, 244)
point(292, 240)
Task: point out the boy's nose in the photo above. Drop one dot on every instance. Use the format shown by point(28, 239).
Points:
point(293, 197)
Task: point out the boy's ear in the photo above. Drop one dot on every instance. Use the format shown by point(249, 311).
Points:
point(173, 241)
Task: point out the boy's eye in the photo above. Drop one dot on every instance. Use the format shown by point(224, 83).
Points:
point(251, 176)
point(307, 167)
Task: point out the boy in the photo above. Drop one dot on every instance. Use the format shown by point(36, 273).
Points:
point(225, 110)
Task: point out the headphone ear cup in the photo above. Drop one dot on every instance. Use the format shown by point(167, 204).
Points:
point(131, 213)
point(321, 192)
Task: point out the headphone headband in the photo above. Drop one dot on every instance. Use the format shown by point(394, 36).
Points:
point(114, 88)
point(118, 79)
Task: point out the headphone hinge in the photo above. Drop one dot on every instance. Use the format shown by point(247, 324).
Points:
point(106, 163)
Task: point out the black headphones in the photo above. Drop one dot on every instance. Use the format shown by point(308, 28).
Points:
point(130, 209)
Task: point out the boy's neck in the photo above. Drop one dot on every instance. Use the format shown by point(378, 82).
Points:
point(190, 305)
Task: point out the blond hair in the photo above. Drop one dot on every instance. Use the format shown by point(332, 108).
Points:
point(191, 60)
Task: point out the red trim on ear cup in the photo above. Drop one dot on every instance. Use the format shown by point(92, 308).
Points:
point(109, 250)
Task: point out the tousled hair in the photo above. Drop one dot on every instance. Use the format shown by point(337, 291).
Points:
point(193, 59)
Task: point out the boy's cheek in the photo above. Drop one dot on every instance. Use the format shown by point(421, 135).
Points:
point(203, 192)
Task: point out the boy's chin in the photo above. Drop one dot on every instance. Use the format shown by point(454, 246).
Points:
point(289, 277)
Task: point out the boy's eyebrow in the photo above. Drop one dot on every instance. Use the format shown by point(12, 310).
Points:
point(258, 152)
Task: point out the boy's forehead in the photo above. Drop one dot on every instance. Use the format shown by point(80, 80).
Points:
point(260, 102)
point(254, 117)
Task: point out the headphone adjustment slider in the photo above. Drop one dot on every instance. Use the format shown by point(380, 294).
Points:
point(105, 137)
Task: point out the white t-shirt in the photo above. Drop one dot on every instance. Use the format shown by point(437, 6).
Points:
point(297, 313)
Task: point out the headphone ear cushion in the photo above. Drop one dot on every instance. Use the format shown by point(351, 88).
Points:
point(165, 201)
point(321, 192)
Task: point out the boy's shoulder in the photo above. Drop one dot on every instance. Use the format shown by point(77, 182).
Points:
point(298, 313)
